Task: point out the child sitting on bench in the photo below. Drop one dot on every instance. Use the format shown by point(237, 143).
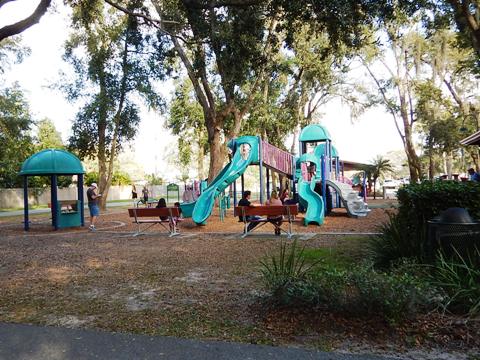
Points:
point(276, 220)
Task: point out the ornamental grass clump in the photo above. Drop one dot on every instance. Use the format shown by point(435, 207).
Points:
point(459, 278)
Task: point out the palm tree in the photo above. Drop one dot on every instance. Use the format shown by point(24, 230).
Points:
point(379, 166)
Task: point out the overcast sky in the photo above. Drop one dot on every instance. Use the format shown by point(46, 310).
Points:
point(373, 134)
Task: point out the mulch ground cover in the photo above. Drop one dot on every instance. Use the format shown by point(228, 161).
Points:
point(118, 219)
point(203, 284)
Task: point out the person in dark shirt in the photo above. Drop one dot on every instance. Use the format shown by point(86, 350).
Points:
point(474, 176)
point(162, 204)
point(92, 197)
point(245, 201)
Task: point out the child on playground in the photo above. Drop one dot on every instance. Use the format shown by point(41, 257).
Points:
point(162, 204)
point(173, 224)
point(275, 220)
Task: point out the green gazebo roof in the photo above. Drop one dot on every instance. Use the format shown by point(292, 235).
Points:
point(314, 132)
point(52, 162)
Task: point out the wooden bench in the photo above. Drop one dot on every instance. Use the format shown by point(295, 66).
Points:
point(287, 211)
point(146, 215)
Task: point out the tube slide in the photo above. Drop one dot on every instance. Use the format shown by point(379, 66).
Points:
point(315, 207)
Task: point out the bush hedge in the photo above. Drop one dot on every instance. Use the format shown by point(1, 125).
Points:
point(419, 203)
point(405, 235)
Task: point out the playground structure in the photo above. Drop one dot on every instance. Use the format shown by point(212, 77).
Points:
point(318, 174)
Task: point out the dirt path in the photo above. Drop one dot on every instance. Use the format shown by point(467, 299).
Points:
point(201, 286)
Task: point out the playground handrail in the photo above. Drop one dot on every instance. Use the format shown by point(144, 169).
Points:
point(277, 159)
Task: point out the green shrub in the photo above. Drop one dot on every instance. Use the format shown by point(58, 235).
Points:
point(359, 291)
point(118, 178)
point(396, 295)
point(421, 202)
point(405, 234)
point(394, 243)
point(459, 278)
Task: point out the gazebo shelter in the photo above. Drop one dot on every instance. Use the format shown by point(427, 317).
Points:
point(54, 163)
point(473, 139)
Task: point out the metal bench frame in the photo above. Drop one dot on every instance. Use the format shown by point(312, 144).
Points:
point(171, 212)
point(288, 213)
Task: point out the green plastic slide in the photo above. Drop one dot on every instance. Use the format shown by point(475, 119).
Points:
point(315, 207)
point(240, 161)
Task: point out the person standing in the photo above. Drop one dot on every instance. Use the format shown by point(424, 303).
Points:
point(145, 195)
point(474, 176)
point(134, 192)
point(92, 197)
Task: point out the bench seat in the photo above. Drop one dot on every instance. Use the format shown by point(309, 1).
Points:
point(288, 213)
point(145, 215)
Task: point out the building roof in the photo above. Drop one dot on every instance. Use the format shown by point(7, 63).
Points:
point(473, 139)
point(52, 162)
point(314, 132)
point(351, 165)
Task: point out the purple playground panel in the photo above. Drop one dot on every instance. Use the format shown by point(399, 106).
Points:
point(277, 159)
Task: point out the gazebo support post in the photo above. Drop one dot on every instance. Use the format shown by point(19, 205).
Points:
point(54, 198)
point(80, 198)
point(26, 224)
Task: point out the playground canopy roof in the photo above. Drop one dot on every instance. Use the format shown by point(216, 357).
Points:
point(353, 166)
point(314, 132)
point(473, 139)
point(52, 162)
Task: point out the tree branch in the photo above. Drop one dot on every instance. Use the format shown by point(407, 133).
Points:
point(24, 24)
point(261, 73)
point(196, 4)
point(3, 2)
point(157, 23)
point(385, 99)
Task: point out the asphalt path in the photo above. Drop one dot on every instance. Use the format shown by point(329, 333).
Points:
point(29, 342)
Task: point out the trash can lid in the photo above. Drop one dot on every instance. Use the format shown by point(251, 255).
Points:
point(455, 215)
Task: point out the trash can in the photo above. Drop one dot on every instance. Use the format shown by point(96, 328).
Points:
point(454, 232)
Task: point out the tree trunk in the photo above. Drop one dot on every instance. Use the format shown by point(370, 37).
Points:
point(431, 165)
point(474, 155)
point(217, 154)
point(102, 159)
point(294, 147)
point(444, 157)
point(449, 163)
point(274, 176)
point(374, 189)
point(200, 166)
point(412, 157)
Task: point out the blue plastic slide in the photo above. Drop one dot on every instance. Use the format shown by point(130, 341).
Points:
point(315, 207)
point(240, 161)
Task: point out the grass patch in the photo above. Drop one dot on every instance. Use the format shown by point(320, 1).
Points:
point(30, 207)
point(350, 250)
